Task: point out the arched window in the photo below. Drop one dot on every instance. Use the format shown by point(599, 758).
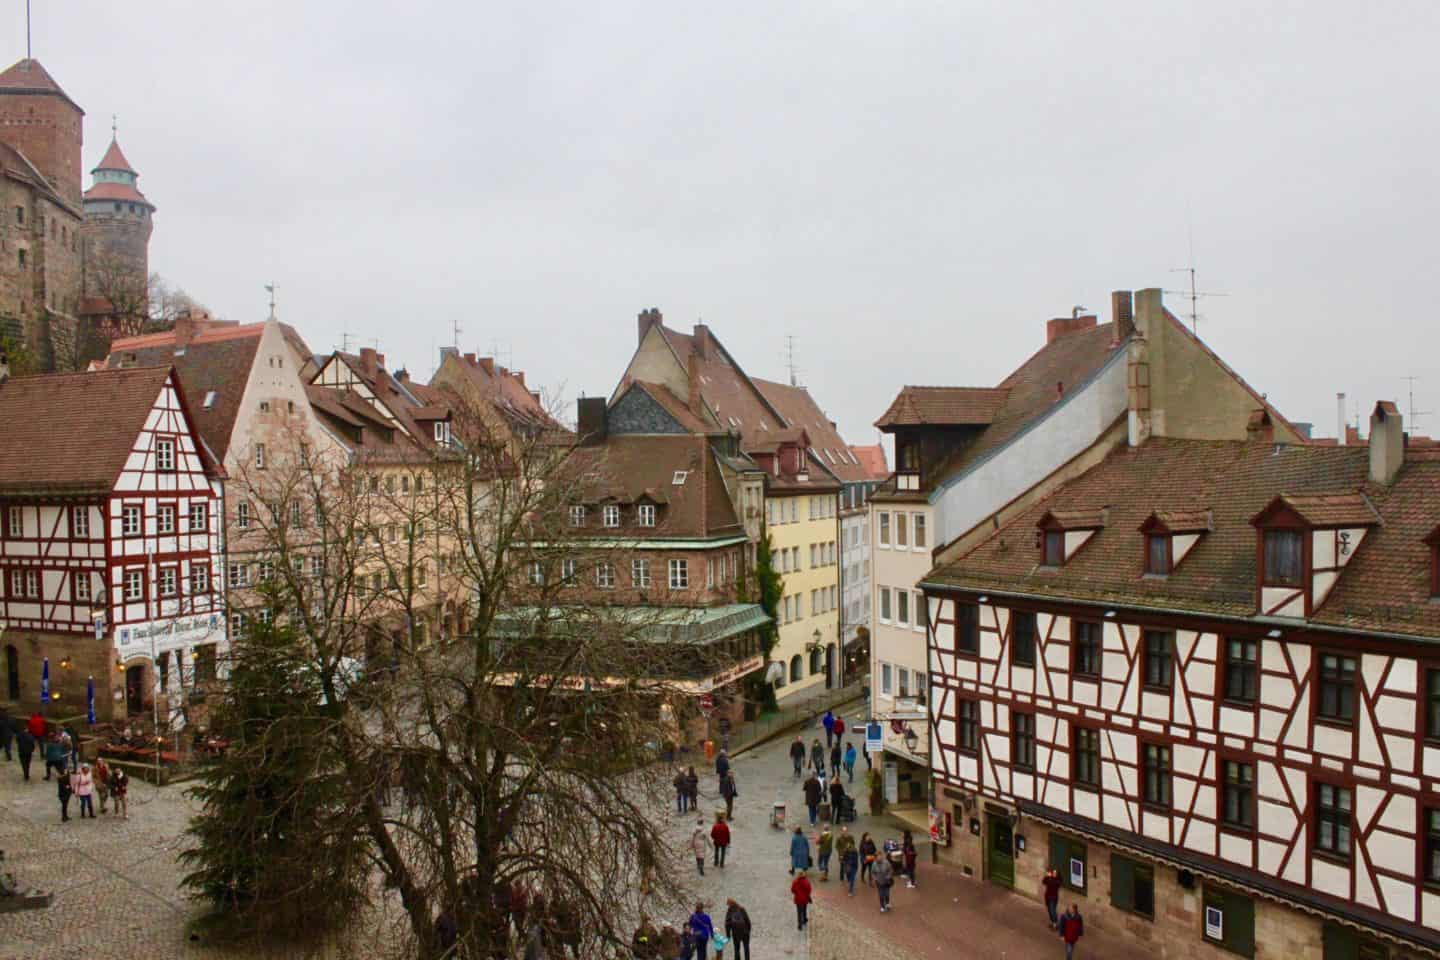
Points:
point(815, 666)
point(795, 667)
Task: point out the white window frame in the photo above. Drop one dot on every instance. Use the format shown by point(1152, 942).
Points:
point(259, 456)
point(132, 520)
point(165, 454)
point(165, 518)
point(237, 624)
point(81, 586)
point(537, 573)
point(169, 583)
point(646, 513)
point(679, 574)
point(80, 522)
point(903, 682)
point(884, 524)
point(919, 534)
point(605, 575)
point(134, 581)
point(577, 515)
point(32, 584)
point(317, 566)
point(920, 613)
point(199, 580)
point(887, 680)
point(902, 607)
point(242, 515)
point(885, 605)
point(14, 523)
point(567, 572)
point(199, 511)
point(238, 574)
point(640, 573)
point(610, 516)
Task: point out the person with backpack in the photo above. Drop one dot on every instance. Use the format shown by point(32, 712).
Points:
point(720, 839)
point(1072, 928)
point(692, 789)
point(56, 757)
point(797, 754)
point(799, 852)
point(814, 793)
point(645, 944)
point(850, 762)
point(737, 928)
point(868, 853)
point(801, 891)
point(824, 847)
point(849, 858)
point(884, 876)
point(702, 928)
point(729, 791)
point(722, 766)
point(828, 721)
point(680, 791)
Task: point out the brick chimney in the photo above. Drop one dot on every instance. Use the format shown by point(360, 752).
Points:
point(370, 361)
point(1387, 443)
point(1063, 326)
point(702, 340)
point(1122, 314)
point(692, 374)
point(1260, 427)
point(488, 365)
point(470, 359)
point(185, 329)
point(648, 318)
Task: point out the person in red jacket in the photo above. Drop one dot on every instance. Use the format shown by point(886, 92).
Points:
point(720, 839)
point(37, 727)
point(1072, 928)
point(800, 888)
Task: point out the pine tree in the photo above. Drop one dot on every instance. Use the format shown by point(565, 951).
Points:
point(770, 587)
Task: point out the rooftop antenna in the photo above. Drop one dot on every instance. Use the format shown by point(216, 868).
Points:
point(455, 332)
point(270, 288)
point(790, 361)
point(27, 30)
point(114, 126)
point(1413, 412)
point(1193, 293)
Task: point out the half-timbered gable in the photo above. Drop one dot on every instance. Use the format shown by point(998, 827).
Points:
point(1165, 703)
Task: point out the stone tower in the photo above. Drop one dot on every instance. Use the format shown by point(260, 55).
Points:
point(43, 123)
point(117, 233)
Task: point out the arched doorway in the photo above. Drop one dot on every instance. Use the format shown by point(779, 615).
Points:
point(12, 672)
point(135, 689)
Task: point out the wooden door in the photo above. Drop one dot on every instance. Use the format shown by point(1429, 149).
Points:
point(1001, 855)
point(12, 672)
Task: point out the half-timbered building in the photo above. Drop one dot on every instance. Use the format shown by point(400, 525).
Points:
point(109, 542)
point(1201, 680)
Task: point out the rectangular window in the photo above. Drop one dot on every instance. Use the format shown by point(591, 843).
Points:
point(567, 573)
point(1241, 670)
point(1022, 740)
point(199, 517)
point(1156, 763)
point(1068, 859)
point(900, 533)
point(537, 574)
point(17, 583)
point(679, 574)
point(813, 554)
point(640, 574)
point(967, 627)
point(14, 523)
point(1132, 886)
point(1022, 638)
point(1283, 558)
point(238, 574)
point(205, 658)
point(237, 629)
point(134, 584)
point(165, 454)
point(1085, 648)
point(1332, 820)
point(1229, 921)
point(1159, 658)
point(167, 581)
point(80, 522)
point(605, 575)
point(80, 586)
point(647, 514)
point(199, 581)
point(1337, 688)
point(130, 521)
point(887, 684)
point(1085, 756)
point(266, 570)
point(968, 726)
point(1054, 548)
point(884, 529)
point(920, 610)
point(1432, 704)
point(259, 456)
point(919, 530)
point(611, 515)
point(317, 566)
point(577, 516)
point(165, 518)
point(885, 604)
point(242, 515)
point(32, 584)
point(1432, 846)
point(1157, 554)
point(902, 606)
point(1238, 794)
point(904, 689)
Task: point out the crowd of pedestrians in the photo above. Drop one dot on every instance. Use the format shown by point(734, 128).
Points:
point(59, 750)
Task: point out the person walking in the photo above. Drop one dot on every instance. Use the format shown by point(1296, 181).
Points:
point(1050, 890)
point(839, 727)
point(1072, 928)
point(680, 791)
point(868, 852)
point(700, 845)
point(850, 762)
point(120, 790)
point(55, 757)
point(797, 755)
point(813, 795)
point(801, 891)
point(737, 928)
point(37, 727)
point(911, 858)
point(702, 928)
point(64, 790)
point(837, 800)
point(669, 942)
point(824, 847)
point(102, 781)
point(729, 791)
point(720, 839)
point(25, 747)
point(799, 852)
point(884, 876)
point(645, 944)
point(849, 858)
point(7, 733)
point(72, 744)
point(836, 756)
point(722, 766)
point(828, 721)
point(817, 758)
point(83, 783)
point(692, 789)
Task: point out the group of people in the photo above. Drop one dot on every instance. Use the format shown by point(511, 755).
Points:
point(1069, 925)
point(864, 859)
point(695, 936)
point(60, 751)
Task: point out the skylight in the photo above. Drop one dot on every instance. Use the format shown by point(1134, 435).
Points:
point(209, 399)
point(679, 478)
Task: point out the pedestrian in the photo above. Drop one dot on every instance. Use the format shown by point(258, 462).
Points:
point(7, 733)
point(1050, 887)
point(801, 891)
point(799, 852)
point(868, 852)
point(37, 727)
point(884, 876)
point(720, 839)
point(64, 789)
point(824, 847)
point(837, 800)
point(911, 858)
point(722, 766)
point(737, 928)
point(102, 781)
point(829, 722)
point(817, 757)
point(849, 858)
point(797, 754)
point(680, 791)
point(1072, 928)
point(850, 762)
point(55, 757)
point(645, 944)
point(702, 929)
point(839, 727)
point(669, 942)
point(120, 790)
point(813, 794)
point(836, 756)
point(692, 789)
point(82, 782)
point(729, 791)
point(72, 744)
point(700, 845)
point(687, 942)
point(25, 746)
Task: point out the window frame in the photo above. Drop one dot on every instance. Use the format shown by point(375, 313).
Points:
point(1166, 559)
point(1150, 675)
point(1324, 682)
point(919, 535)
point(127, 510)
point(1091, 732)
point(679, 574)
point(577, 515)
point(199, 579)
point(645, 514)
point(1022, 741)
point(967, 728)
point(962, 629)
point(605, 575)
point(1033, 632)
point(1250, 666)
point(242, 515)
point(167, 581)
point(1247, 825)
point(887, 608)
point(1430, 846)
point(168, 510)
point(1267, 579)
point(14, 523)
point(1163, 770)
point(80, 522)
point(198, 509)
point(610, 516)
point(883, 522)
point(139, 595)
point(1430, 720)
point(80, 596)
point(1052, 547)
point(640, 573)
point(1333, 814)
point(165, 443)
point(1096, 645)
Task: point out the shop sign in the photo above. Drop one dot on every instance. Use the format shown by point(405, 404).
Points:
point(1214, 923)
point(908, 708)
point(1077, 873)
point(736, 672)
point(176, 633)
point(874, 737)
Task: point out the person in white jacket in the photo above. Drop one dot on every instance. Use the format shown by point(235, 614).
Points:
point(700, 845)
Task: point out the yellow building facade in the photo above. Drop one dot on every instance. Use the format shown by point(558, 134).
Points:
point(805, 536)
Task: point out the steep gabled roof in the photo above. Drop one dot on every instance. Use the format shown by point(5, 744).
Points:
point(503, 389)
point(799, 409)
point(28, 76)
point(872, 459)
point(114, 159)
point(943, 406)
point(632, 467)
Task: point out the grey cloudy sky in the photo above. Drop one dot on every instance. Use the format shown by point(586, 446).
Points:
point(909, 189)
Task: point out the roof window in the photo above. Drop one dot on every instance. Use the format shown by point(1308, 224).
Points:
point(1061, 533)
point(209, 399)
point(679, 478)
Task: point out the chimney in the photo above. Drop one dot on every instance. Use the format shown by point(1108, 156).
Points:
point(367, 359)
point(702, 340)
point(648, 318)
point(590, 421)
point(184, 330)
point(470, 359)
point(1340, 431)
point(488, 365)
point(1387, 443)
point(1062, 326)
point(692, 374)
point(519, 376)
point(1122, 314)
point(1260, 427)
point(446, 352)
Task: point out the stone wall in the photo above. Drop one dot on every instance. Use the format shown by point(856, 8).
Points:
point(89, 658)
point(47, 129)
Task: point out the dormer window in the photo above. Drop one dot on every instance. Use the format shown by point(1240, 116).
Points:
point(577, 515)
point(1284, 559)
point(1054, 548)
point(1169, 537)
point(646, 514)
point(611, 515)
point(1061, 534)
point(1157, 554)
point(1432, 542)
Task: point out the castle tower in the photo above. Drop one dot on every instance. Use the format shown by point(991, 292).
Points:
point(43, 123)
point(117, 233)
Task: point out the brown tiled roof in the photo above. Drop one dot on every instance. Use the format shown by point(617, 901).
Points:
point(629, 466)
point(799, 409)
point(124, 192)
point(1331, 509)
point(1385, 587)
point(872, 459)
point(73, 431)
point(1073, 519)
point(943, 406)
point(1179, 521)
point(397, 399)
point(505, 390)
point(114, 159)
point(28, 76)
point(726, 389)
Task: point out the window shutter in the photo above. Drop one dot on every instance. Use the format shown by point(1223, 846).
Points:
point(1122, 883)
point(1339, 942)
point(1059, 853)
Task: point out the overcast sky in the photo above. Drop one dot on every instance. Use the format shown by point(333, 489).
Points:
point(909, 189)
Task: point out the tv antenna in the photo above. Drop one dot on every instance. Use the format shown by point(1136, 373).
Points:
point(455, 332)
point(270, 288)
point(1194, 296)
point(1413, 413)
point(790, 367)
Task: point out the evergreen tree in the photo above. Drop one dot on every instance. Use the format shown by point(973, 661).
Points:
point(770, 587)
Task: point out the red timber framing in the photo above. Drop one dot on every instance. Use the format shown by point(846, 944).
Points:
point(1379, 757)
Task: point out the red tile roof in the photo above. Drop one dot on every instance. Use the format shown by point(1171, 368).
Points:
point(872, 459)
point(624, 468)
point(1328, 509)
point(73, 431)
point(120, 192)
point(28, 76)
point(799, 409)
point(504, 389)
point(943, 406)
point(1385, 587)
point(114, 159)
